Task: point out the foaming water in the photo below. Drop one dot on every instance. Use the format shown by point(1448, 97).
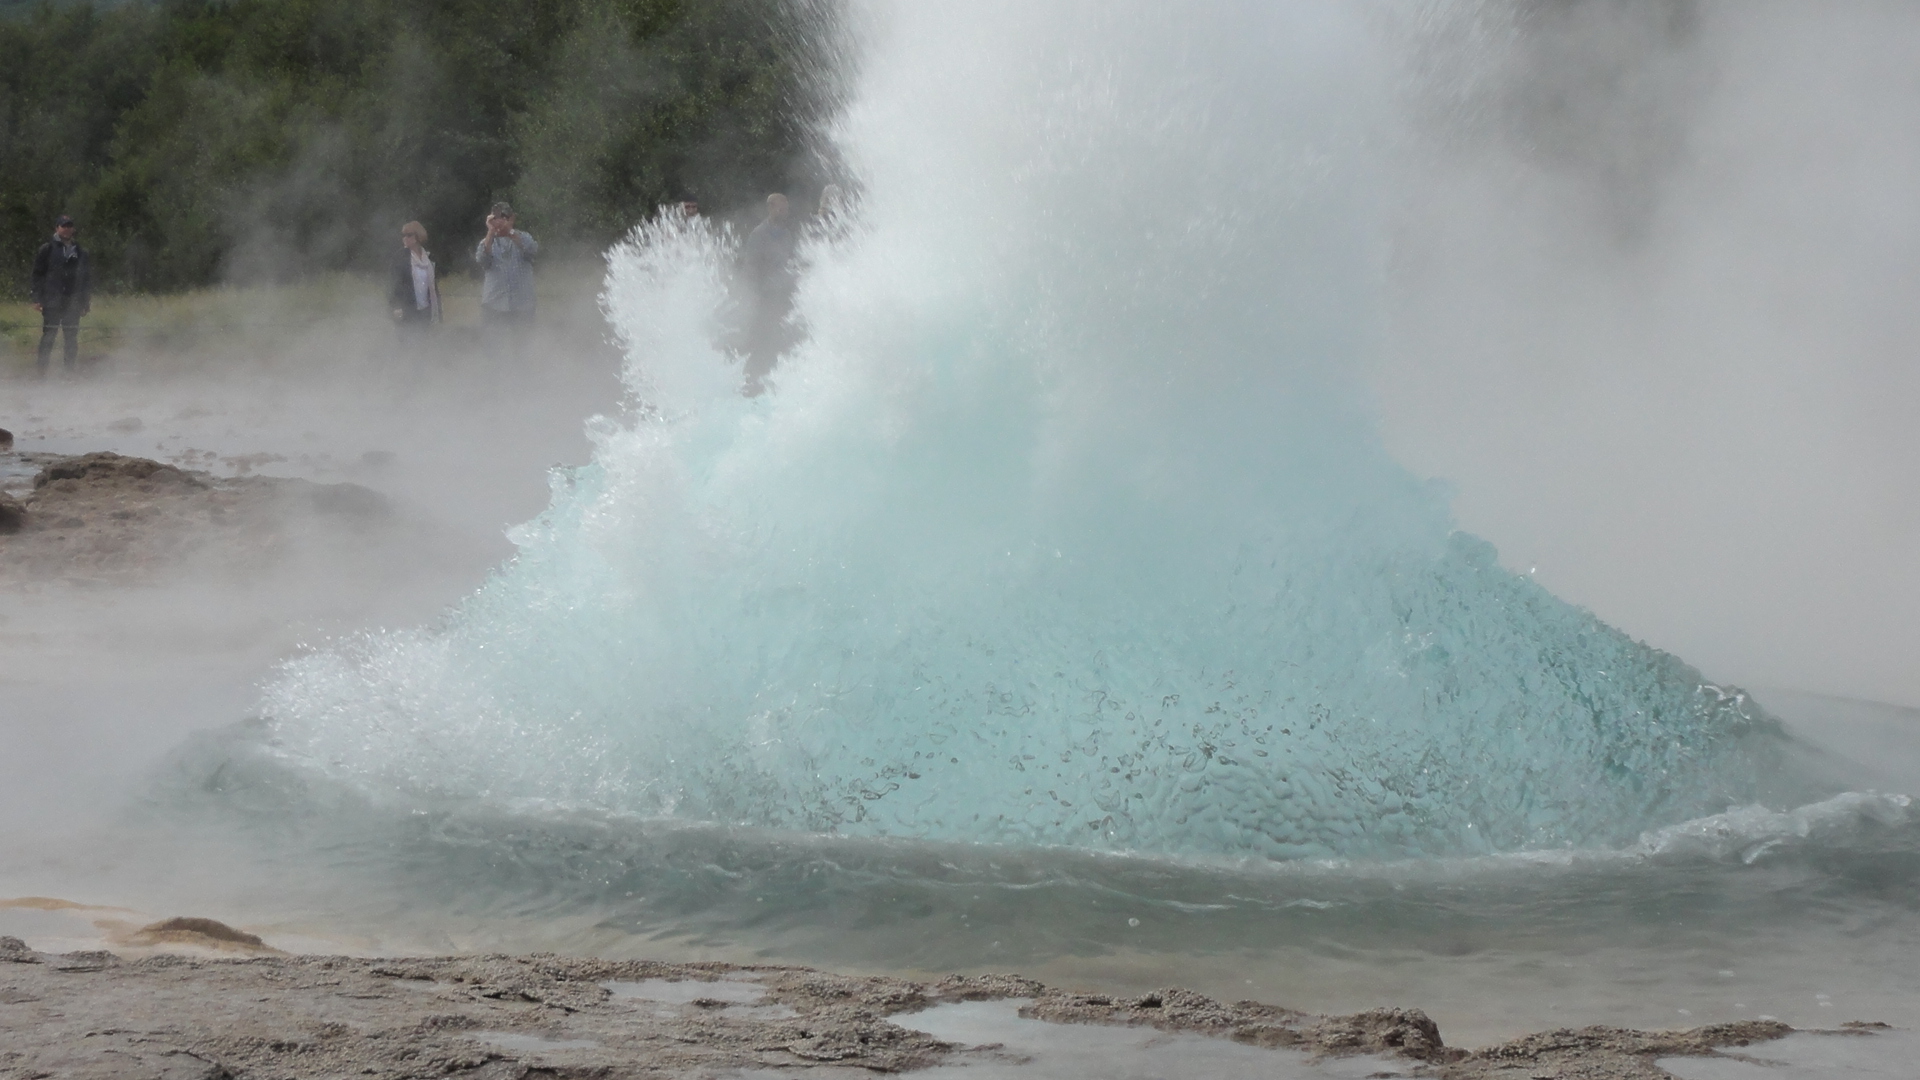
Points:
point(1060, 611)
point(1065, 526)
point(1793, 913)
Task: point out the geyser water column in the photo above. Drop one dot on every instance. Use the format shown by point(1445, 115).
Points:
point(1066, 524)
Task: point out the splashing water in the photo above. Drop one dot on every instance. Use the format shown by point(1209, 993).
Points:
point(1066, 525)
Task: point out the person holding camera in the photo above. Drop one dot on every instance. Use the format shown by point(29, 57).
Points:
point(506, 256)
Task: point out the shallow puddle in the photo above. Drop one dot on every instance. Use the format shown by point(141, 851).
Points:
point(1002, 1043)
point(524, 1043)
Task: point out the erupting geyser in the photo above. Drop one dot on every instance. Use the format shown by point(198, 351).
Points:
point(1066, 525)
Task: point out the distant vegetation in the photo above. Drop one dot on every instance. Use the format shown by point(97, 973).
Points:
point(207, 140)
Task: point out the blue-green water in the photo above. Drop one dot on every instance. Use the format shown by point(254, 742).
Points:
point(1067, 525)
point(1060, 611)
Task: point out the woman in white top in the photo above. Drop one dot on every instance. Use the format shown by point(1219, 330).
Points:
point(415, 292)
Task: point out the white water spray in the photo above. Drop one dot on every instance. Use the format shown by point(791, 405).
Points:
point(1065, 525)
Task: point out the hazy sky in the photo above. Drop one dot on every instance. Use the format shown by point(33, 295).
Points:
point(1657, 272)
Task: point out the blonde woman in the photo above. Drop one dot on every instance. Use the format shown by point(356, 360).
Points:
point(415, 292)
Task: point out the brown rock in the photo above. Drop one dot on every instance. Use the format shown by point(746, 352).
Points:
point(350, 500)
point(1407, 1032)
point(104, 517)
point(13, 950)
point(1607, 1052)
point(117, 1055)
point(1402, 1032)
point(85, 960)
point(397, 1019)
point(197, 931)
point(105, 466)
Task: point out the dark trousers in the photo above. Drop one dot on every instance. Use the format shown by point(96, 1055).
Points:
point(415, 324)
point(52, 321)
point(768, 336)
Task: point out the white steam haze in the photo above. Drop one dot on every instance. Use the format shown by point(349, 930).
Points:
point(1652, 270)
point(100, 680)
point(1634, 280)
point(1070, 472)
point(1657, 285)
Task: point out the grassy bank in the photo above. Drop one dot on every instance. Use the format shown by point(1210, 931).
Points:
point(269, 324)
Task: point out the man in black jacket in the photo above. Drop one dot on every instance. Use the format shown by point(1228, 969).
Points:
point(62, 291)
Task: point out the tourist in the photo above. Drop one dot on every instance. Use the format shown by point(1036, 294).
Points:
point(831, 220)
point(833, 207)
point(683, 214)
point(506, 256)
point(415, 291)
point(62, 292)
point(767, 267)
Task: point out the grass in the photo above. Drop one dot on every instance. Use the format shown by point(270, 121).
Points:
point(255, 323)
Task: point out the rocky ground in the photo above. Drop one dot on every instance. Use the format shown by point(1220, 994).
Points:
point(102, 517)
point(261, 1014)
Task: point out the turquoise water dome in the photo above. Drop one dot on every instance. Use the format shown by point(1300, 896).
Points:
point(1067, 524)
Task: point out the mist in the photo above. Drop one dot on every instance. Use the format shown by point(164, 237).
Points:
point(240, 206)
point(108, 665)
point(1649, 265)
point(1078, 476)
point(1653, 279)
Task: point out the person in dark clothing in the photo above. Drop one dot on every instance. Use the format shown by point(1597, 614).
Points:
point(767, 267)
point(62, 291)
point(414, 291)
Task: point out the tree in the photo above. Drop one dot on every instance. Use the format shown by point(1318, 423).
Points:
point(206, 139)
